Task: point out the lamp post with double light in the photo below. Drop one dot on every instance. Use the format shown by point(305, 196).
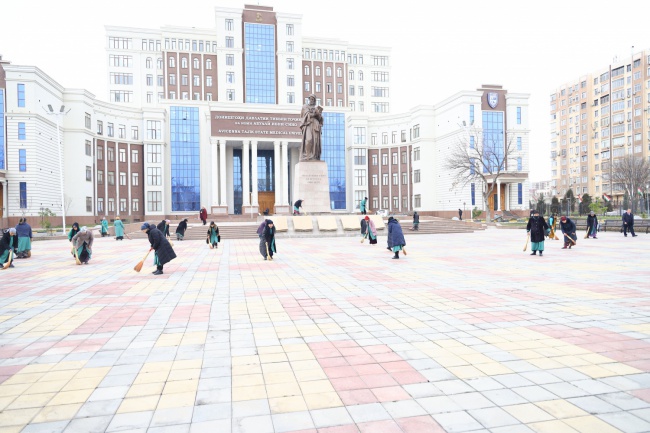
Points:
point(59, 147)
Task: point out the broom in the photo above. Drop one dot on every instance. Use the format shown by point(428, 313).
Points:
point(267, 251)
point(570, 238)
point(404, 251)
point(363, 238)
point(138, 267)
point(527, 238)
point(6, 265)
point(587, 233)
point(76, 256)
point(210, 243)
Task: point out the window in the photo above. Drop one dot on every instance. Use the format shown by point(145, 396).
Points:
point(100, 205)
point(159, 63)
point(153, 129)
point(416, 154)
point(196, 80)
point(394, 158)
point(317, 71)
point(123, 205)
point(404, 157)
point(111, 205)
point(154, 201)
point(519, 118)
point(359, 135)
point(471, 114)
point(395, 179)
point(135, 179)
point(121, 133)
point(473, 193)
point(230, 42)
point(230, 95)
point(360, 177)
point(289, 29)
point(22, 160)
point(520, 193)
point(87, 121)
point(317, 86)
point(89, 148)
point(230, 60)
point(100, 127)
point(154, 153)
point(109, 130)
point(290, 46)
point(416, 176)
point(122, 178)
point(134, 155)
point(403, 137)
point(291, 97)
point(184, 80)
point(111, 178)
point(172, 62)
point(100, 152)
point(89, 204)
point(328, 71)
point(208, 64)
point(405, 178)
point(154, 176)
point(110, 153)
point(306, 69)
point(384, 159)
point(471, 142)
point(416, 131)
point(89, 173)
point(519, 165)
point(375, 203)
point(230, 77)
point(290, 81)
point(360, 156)
point(172, 79)
point(100, 177)
point(21, 103)
point(134, 133)
point(374, 159)
point(21, 131)
point(384, 179)
point(135, 205)
point(23, 195)
point(518, 143)
point(375, 180)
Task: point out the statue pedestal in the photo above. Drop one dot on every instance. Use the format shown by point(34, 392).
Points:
point(311, 183)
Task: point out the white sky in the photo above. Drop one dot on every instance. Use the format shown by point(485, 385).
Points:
point(438, 47)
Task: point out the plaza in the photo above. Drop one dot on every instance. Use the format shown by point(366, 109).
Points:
point(467, 333)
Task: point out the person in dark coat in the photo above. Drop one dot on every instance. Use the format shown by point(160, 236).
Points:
point(538, 230)
point(213, 235)
point(164, 253)
point(364, 227)
point(297, 206)
point(396, 241)
point(267, 241)
point(568, 228)
point(416, 222)
point(8, 247)
point(180, 230)
point(460, 214)
point(83, 243)
point(592, 225)
point(203, 215)
point(260, 229)
point(24, 235)
point(73, 231)
point(628, 223)
point(163, 226)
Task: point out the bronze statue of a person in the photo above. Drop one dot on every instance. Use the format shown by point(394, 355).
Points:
point(312, 124)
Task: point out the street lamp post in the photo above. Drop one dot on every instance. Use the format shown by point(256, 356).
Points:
point(59, 144)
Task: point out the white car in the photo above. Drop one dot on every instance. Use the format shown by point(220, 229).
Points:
point(382, 212)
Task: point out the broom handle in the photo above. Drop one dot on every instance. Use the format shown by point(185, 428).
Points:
point(146, 255)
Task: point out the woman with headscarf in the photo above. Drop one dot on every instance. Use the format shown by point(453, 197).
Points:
point(396, 241)
point(163, 226)
point(213, 235)
point(538, 230)
point(371, 231)
point(73, 231)
point(568, 228)
point(24, 235)
point(8, 246)
point(180, 230)
point(118, 226)
point(203, 215)
point(592, 225)
point(104, 227)
point(416, 221)
point(267, 241)
point(164, 253)
point(83, 243)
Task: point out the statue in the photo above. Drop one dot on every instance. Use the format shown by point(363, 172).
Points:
point(312, 124)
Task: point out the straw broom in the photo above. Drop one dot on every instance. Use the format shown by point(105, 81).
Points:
point(138, 267)
point(210, 243)
point(76, 256)
point(267, 251)
point(527, 239)
point(11, 256)
point(587, 233)
point(570, 238)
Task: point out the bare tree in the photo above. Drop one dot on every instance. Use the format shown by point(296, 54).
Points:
point(631, 173)
point(481, 158)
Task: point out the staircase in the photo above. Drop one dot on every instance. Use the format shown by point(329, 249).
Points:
point(434, 225)
point(227, 230)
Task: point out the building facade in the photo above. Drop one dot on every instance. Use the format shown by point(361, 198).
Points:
point(597, 119)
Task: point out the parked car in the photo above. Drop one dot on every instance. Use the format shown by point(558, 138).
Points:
point(382, 212)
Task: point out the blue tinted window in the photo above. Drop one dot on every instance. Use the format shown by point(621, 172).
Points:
point(471, 142)
point(492, 141)
point(472, 170)
point(265, 171)
point(520, 191)
point(237, 180)
point(473, 195)
point(259, 48)
point(471, 114)
point(2, 129)
point(518, 143)
point(518, 115)
point(22, 160)
point(21, 95)
point(21, 130)
point(185, 164)
point(23, 195)
point(519, 164)
point(334, 154)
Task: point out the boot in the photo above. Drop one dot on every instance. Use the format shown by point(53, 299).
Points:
point(534, 253)
point(540, 253)
point(396, 256)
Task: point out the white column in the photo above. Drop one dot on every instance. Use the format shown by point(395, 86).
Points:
point(284, 169)
point(215, 172)
point(508, 196)
point(5, 203)
point(246, 175)
point(254, 172)
point(277, 164)
point(498, 195)
point(222, 172)
point(128, 178)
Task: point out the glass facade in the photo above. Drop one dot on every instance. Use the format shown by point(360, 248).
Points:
point(259, 48)
point(185, 168)
point(265, 171)
point(492, 140)
point(2, 129)
point(334, 154)
point(237, 180)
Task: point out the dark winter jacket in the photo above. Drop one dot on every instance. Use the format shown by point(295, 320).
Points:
point(161, 245)
point(7, 241)
point(629, 219)
point(416, 218)
point(592, 221)
point(395, 234)
point(182, 226)
point(538, 228)
point(364, 226)
point(203, 214)
point(163, 227)
point(269, 237)
point(24, 230)
point(569, 228)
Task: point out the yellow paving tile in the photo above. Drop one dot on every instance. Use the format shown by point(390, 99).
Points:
point(265, 350)
point(300, 356)
point(6, 401)
point(590, 424)
point(68, 397)
point(43, 387)
point(145, 389)
point(561, 409)
point(620, 369)
point(18, 416)
point(187, 374)
point(69, 365)
point(23, 378)
point(554, 426)
point(150, 367)
point(527, 413)
point(181, 399)
point(180, 386)
point(286, 389)
point(31, 400)
point(152, 377)
point(545, 363)
point(466, 372)
point(250, 379)
point(316, 386)
point(239, 370)
point(139, 404)
point(185, 364)
point(248, 393)
point(324, 400)
point(276, 367)
point(59, 375)
point(287, 404)
point(493, 369)
point(273, 378)
point(305, 365)
point(36, 368)
point(57, 413)
point(273, 357)
point(307, 375)
point(594, 371)
point(245, 360)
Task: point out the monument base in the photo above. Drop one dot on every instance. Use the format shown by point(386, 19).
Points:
point(218, 210)
point(311, 184)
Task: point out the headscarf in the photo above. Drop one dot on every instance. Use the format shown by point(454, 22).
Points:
point(75, 225)
point(212, 223)
point(145, 226)
point(563, 218)
point(367, 218)
point(167, 221)
point(117, 218)
point(84, 229)
point(12, 231)
point(268, 222)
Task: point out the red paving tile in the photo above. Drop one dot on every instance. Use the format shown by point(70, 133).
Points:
point(357, 396)
point(348, 383)
point(378, 380)
point(387, 426)
point(420, 424)
point(340, 429)
point(390, 393)
point(643, 394)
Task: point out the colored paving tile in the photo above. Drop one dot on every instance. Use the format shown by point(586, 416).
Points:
point(450, 338)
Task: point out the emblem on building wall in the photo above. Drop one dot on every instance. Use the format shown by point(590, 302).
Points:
point(258, 17)
point(493, 99)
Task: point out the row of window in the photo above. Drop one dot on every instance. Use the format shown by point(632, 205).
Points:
point(135, 205)
point(110, 130)
point(196, 64)
point(328, 71)
point(196, 79)
point(110, 153)
point(360, 134)
point(196, 96)
point(154, 177)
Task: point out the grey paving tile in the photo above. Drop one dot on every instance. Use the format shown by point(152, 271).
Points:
point(330, 417)
point(368, 412)
point(626, 422)
point(293, 421)
point(46, 427)
point(457, 422)
point(130, 421)
point(593, 405)
point(492, 417)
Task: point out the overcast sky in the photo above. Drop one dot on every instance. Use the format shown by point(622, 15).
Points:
point(526, 46)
